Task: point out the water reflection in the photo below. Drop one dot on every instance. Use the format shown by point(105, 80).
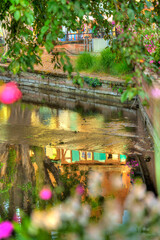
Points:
point(83, 157)
point(100, 129)
point(38, 144)
point(26, 169)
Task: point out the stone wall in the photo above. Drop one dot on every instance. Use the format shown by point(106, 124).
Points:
point(52, 87)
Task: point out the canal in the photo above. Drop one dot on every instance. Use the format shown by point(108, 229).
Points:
point(40, 143)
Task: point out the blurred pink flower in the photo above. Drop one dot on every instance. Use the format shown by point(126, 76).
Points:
point(16, 218)
point(6, 229)
point(113, 22)
point(151, 61)
point(45, 194)
point(155, 92)
point(159, 62)
point(80, 190)
point(9, 93)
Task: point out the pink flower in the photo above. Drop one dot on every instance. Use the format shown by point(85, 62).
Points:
point(9, 93)
point(80, 190)
point(6, 229)
point(113, 22)
point(155, 92)
point(45, 194)
point(159, 62)
point(16, 218)
point(151, 61)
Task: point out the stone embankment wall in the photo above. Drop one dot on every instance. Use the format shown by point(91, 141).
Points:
point(47, 87)
point(58, 90)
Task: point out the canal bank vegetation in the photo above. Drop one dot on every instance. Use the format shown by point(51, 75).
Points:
point(86, 215)
point(80, 217)
point(105, 62)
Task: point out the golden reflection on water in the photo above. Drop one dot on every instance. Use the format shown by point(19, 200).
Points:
point(4, 113)
point(66, 120)
point(92, 140)
point(112, 131)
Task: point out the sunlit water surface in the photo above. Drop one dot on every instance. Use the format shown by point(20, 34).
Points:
point(34, 138)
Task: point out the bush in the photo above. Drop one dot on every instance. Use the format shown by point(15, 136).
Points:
point(107, 59)
point(93, 82)
point(84, 61)
point(87, 215)
point(120, 68)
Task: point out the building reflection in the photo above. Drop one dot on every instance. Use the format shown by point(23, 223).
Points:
point(110, 165)
point(84, 157)
point(26, 169)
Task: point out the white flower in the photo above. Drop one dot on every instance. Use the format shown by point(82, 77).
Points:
point(94, 232)
point(137, 193)
point(83, 218)
point(94, 184)
point(48, 220)
point(113, 213)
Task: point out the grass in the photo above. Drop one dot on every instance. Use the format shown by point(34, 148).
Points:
point(105, 62)
point(84, 61)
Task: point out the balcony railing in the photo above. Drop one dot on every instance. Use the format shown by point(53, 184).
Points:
point(81, 36)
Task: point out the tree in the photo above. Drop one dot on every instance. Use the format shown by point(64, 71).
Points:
point(47, 17)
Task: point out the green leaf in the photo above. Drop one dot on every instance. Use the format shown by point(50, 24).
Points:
point(124, 96)
point(17, 15)
point(148, 14)
point(12, 8)
point(130, 13)
point(142, 94)
point(44, 29)
point(29, 17)
point(15, 67)
point(131, 94)
point(157, 18)
point(149, 4)
point(17, 2)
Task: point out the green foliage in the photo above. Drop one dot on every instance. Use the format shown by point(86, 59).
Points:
point(107, 62)
point(107, 59)
point(93, 82)
point(84, 61)
point(70, 180)
point(47, 17)
point(4, 59)
point(78, 80)
point(76, 218)
point(156, 55)
point(121, 67)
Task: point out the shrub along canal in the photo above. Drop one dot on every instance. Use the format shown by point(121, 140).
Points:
point(42, 144)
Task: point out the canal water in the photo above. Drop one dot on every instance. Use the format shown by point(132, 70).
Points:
point(40, 143)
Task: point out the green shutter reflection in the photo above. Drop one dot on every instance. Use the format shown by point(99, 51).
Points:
point(75, 156)
point(123, 158)
point(101, 157)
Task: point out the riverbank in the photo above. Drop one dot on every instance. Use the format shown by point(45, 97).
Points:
point(52, 89)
